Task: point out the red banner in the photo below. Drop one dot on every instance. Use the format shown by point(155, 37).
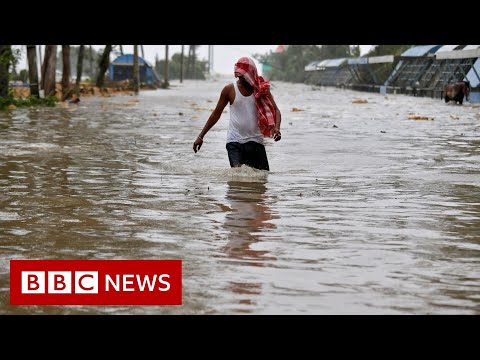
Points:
point(95, 282)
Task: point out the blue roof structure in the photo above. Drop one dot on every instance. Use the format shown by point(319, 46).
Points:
point(358, 61)
point(447, 48)
point(333, 62)
point(122, 69)
point(127, 59)
point(316, 65)
point(312, 66)
point(421, 50)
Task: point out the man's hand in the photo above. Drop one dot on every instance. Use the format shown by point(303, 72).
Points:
point(277, 135)
point(197, 144)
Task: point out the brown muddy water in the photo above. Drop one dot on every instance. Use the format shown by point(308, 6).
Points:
point(364, 211)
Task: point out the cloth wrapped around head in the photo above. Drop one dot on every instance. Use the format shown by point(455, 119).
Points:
point(246, 68)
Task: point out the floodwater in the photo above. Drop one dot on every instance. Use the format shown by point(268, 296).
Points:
point(364, 211)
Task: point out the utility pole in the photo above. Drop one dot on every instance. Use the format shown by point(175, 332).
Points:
point(121, 49)
point(143, 53)
point(194, 59)
point(209, 59)
point(90, 58)
point(165, 82)
point(181, 64)
point(40, 60)
point(40, 55)
point(211, 68)
point(136, 70)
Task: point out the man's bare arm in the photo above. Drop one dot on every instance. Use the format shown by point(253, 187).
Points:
point(214, 117)
point(277, 135)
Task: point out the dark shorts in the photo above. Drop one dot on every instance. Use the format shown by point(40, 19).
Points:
point(251, 153)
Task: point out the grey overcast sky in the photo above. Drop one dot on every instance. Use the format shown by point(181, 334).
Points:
point(224, 56)
point(224, 59)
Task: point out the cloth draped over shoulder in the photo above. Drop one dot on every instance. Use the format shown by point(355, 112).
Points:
point(266, 111)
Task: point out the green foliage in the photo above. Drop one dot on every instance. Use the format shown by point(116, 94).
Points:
point(86, 71)
point(6, 56)
point(290, 64)
point(174, 68)
point(15, 56)
point(355, 50)
point(5, 102)
point(11, 57)
point(21, 76)
point(380, 50)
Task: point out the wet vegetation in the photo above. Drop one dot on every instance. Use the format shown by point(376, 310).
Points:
point(11, 102)
point(289, 65)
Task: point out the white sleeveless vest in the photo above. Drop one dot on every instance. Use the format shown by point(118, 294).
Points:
point(243, 119)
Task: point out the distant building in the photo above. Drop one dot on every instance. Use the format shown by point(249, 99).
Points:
point(122, 69)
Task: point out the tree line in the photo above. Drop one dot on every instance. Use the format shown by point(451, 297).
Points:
point(181, 67)
point(85, 61)
point(289, 65)
point(46, 80)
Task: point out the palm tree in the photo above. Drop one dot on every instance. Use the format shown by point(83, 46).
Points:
point(32, 70)
point(48, 70)
point(66, 91)
point(103, 65)
point(79, 70)
point(5, 56)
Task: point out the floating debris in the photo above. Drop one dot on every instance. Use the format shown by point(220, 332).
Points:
point(455, 117)
point(383, 132)
point(419, 117)
point(123, 104)
point(335, 126)
point(361, 101)
point(180, 113)
point(296, 109)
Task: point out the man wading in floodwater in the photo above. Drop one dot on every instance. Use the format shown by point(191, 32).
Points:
point(253, 115)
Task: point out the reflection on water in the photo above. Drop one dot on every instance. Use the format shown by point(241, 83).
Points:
point(364, 211)
point(245, 223)
point(247, 220)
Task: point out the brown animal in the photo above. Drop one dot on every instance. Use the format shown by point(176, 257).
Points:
point(457, 91)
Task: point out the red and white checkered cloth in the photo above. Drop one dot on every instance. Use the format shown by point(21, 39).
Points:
point(266, 111)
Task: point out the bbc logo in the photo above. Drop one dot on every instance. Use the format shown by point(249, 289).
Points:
point(59, 282)
point(95, 282)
